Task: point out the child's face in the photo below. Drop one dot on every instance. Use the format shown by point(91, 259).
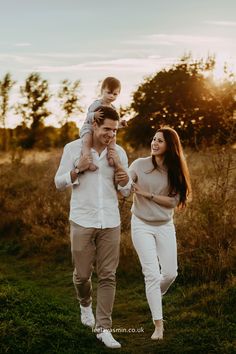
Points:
point(110, 96)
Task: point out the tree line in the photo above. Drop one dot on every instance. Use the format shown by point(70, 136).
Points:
point(187, 98)
point(184, 96)
point(32, 107)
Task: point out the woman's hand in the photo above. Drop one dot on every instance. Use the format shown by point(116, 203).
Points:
point(138, 190)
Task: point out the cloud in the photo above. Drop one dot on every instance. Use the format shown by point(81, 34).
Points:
point(20, 59)
point(22, 44)
point(172, 39)
point(145, 65)
point(222, 23)
point(69, 55)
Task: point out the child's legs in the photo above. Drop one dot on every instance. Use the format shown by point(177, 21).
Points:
point(86, 148)
point(87, 144)
point(111, 147)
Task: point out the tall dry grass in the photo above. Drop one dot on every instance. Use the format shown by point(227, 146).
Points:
point(207, 228)
point(34, 215)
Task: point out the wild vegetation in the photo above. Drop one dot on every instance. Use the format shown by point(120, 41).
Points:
point(34, 213)
point(38, 311)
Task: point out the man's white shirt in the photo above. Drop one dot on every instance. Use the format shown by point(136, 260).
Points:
point(94, 201)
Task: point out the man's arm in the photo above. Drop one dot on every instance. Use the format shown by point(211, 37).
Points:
point(122, 178)
point(63, 175)
point(81, 166)
point(67, 173)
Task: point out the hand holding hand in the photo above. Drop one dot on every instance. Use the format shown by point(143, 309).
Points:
point(121, 177)
point(138, 190)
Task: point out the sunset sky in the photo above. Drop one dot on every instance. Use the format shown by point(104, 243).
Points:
point(89, 40)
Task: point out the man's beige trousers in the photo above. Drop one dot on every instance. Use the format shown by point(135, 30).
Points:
point(100, 247)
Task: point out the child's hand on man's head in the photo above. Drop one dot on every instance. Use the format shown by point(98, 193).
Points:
point(98, 115)
point(123, 123)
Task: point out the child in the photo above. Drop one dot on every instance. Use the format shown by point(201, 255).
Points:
point(110, 90)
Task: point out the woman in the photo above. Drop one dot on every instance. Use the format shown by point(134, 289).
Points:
point(160, 183)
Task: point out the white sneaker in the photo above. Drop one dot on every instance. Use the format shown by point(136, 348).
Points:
point(106, 337)
point(87, 317)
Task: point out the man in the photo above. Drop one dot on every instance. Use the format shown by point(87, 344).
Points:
point(95, 220)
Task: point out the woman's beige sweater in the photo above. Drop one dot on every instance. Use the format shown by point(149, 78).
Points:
point(153, 181)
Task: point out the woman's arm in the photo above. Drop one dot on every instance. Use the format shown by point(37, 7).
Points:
point(166, 201)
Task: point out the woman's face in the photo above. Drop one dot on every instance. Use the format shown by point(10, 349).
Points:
point(158, 145)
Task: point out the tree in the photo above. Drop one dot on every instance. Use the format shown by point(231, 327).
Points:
point(69, 95)
point(35, 96)
point(5, 86)
point(185, 98)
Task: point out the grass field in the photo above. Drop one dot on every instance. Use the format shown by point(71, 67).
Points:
point(39, 312)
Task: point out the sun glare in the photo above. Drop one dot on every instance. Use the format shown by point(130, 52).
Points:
point(220, 72)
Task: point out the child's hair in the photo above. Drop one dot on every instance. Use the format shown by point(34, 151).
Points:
point(111, 83)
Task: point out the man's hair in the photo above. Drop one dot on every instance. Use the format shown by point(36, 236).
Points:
point(111, 83)
point(108, 113)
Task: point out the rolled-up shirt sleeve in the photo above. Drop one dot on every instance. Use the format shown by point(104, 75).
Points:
point(63, 178)
point(125, 190)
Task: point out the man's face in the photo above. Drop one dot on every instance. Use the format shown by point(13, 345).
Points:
point(104, 133)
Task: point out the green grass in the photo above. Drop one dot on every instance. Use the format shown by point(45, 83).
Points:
point(39, 314)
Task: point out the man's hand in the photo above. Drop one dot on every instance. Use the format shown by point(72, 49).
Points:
point(112, 153)
point(84, 162)
point(121, 178)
